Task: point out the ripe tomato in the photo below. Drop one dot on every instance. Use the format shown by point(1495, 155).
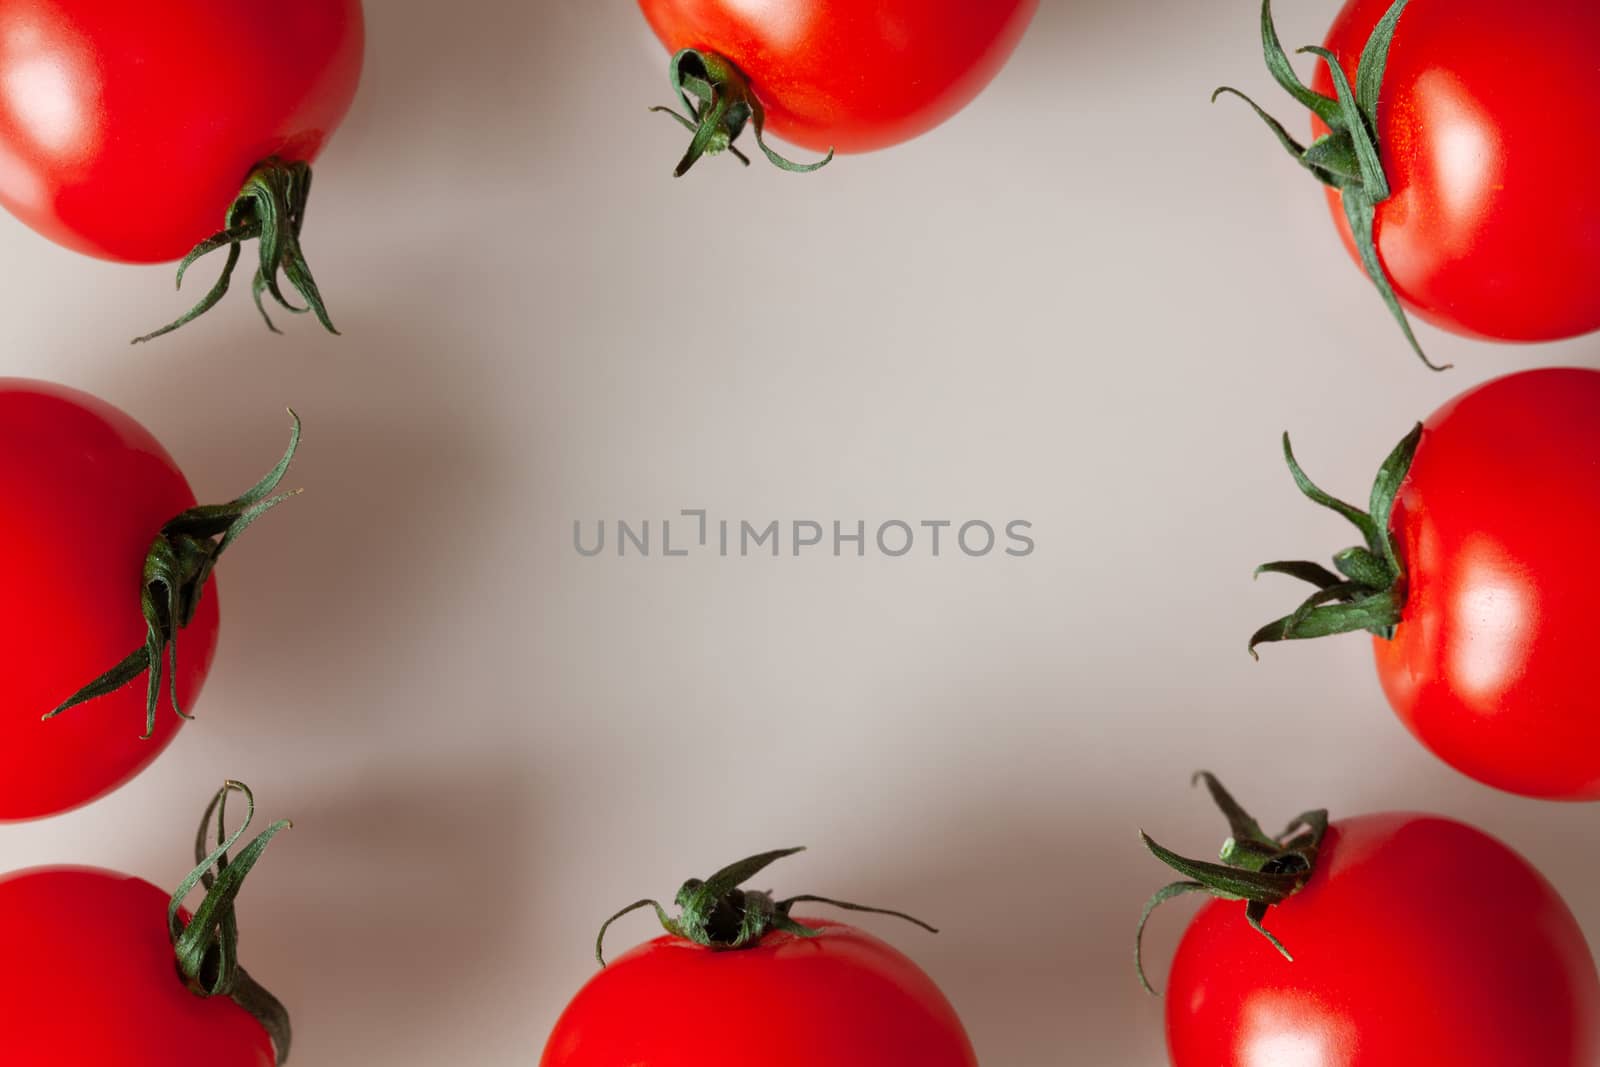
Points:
point(1492, 665)
point(844, 999)
point(97, 973)
point(740, 981)
point(86, 491)
point(1414, 940)
point(1492, 227)
point(850, 75)
point(1450, 174)
point(103, 937)
point(1488, 656)
point(127, 130)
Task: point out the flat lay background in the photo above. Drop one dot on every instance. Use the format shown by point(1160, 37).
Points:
point(1091, 301)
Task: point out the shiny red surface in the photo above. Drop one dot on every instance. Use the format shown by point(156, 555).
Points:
point(1418, 941)
point(854, 75)
point(127, 129)
point(84, 489)
point(845, 999)
point(1494, 226)
point(1494, 665)
point(90, 980)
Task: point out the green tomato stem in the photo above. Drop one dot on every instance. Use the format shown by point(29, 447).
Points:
point(715, 913)
point(270, 210)
point(176, 570)
point(207, 945)
point(718, 103)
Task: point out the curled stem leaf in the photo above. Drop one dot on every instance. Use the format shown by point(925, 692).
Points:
point(718, 103)
point(270, 210)
point(176, 570)
point(206, 945)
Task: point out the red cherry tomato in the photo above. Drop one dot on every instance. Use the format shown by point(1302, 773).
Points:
point(115, 602)
point(1493, 665)
point(92, 982)
point(85, 489)
point(843, 999)
point(852, 75)
point(1478, 580)
point(127, 129)
point(1493, 225)
point(1417, 940)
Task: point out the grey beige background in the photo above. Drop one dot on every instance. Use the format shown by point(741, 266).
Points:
point(1092, 301)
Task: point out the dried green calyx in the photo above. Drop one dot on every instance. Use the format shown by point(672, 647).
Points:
point(716, 914)
point(207, 946)
point(180, 562)
point(723, 104)
point(1260, 870)
point(1368, 590)
point(1347, 157)
point(270, 210)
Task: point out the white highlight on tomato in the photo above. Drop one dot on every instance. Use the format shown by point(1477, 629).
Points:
point(39, 93)
point(780, 22)
point(1287, 1050)
point(1280, 1032)
point(1464, 153)
point(45, 89)
point(1490, 653)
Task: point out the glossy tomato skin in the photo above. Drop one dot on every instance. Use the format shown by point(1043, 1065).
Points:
point(90, 980)
point(852, 75)
point(1493, 665)
point(1418, 940)
point(1493, 229)
point(84, 489)
point(126, 130)
point(844, 999)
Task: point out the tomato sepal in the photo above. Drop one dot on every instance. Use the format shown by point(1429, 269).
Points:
point(176, 570)
point(715, 913)
point(1260, 870)
point(207, 945)
point(270, 210)
point(1347, 158)
point(722, 105)
point(1367, 588)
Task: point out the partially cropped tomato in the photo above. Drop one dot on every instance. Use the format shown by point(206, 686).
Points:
point(1412, 939)
point(86, 495)
point(128, 1004)
point(128, 130)
point(793, 993)
point(846, 75)
point(1493, 663)
point(1492, 226)
point(1484, 631)
point(94, 975)
point(1453, 171)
